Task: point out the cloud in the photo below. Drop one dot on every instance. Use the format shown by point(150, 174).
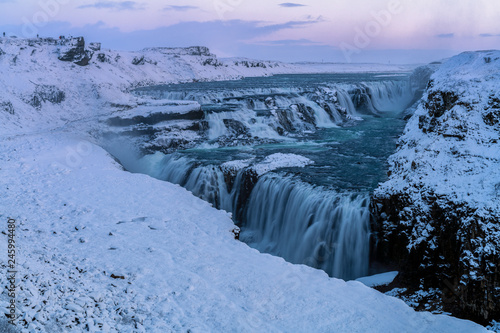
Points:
point(451, 35)
point(291, 5)
point(489, 35)
point(180, 8)
point(117, 5)
point(294, 24)
point(290, 42)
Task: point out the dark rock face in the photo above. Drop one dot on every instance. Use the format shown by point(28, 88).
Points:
point(235, 127)
point(492, 117)
point(250, 64)
point(155, 118)
point(248, 181)
point(75, 52)
point(460, 260)
point(198, 51)
point(212, 62)
point(440, 101)
point(305, 113)
point(285, 119)
point(101, 57)
point(362, 100)
point(95, 47)
point(2, 52)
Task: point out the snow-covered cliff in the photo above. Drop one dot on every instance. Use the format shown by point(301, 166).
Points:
point(439, 212)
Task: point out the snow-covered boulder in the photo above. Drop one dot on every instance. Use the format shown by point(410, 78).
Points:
point(438, 215)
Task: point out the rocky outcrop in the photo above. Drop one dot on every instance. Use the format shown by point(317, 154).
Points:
point(192, 51)
point(96, 47)
point(155, 118)
point(104, 58)
point(235, 127)
point(251, 63)
point(46, 93)
point(138, 61)
point(362, 100)
point(7, 107)
point(305, 113)
point(437, 218)
point(74, 50)
point(212, 62)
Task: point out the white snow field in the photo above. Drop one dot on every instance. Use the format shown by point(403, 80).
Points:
point(100, 249)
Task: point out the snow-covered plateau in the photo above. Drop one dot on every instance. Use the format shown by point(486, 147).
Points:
point(102, 249)
point(438, 215)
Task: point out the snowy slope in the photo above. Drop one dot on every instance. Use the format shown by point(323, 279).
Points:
point(101, 249)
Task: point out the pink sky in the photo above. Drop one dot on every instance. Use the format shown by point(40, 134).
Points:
point(335, 29)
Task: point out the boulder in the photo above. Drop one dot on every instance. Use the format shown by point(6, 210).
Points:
point(235, 127)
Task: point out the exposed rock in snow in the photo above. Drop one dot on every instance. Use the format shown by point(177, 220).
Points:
point(74, 50)
point(438, 215)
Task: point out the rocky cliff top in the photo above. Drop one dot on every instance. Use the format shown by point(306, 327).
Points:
point(451, 144)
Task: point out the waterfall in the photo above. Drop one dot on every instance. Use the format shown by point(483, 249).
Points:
point(271, 112)
point(308, 225)
point(283, 216)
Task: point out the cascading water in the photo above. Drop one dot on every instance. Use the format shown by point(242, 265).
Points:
point(307, 225)
point(316, 215)
point(270, 111)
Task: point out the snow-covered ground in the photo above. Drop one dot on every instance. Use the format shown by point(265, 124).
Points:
point(102, 249)
point(378, 279)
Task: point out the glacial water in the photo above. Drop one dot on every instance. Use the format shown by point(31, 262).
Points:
point(318, 215)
